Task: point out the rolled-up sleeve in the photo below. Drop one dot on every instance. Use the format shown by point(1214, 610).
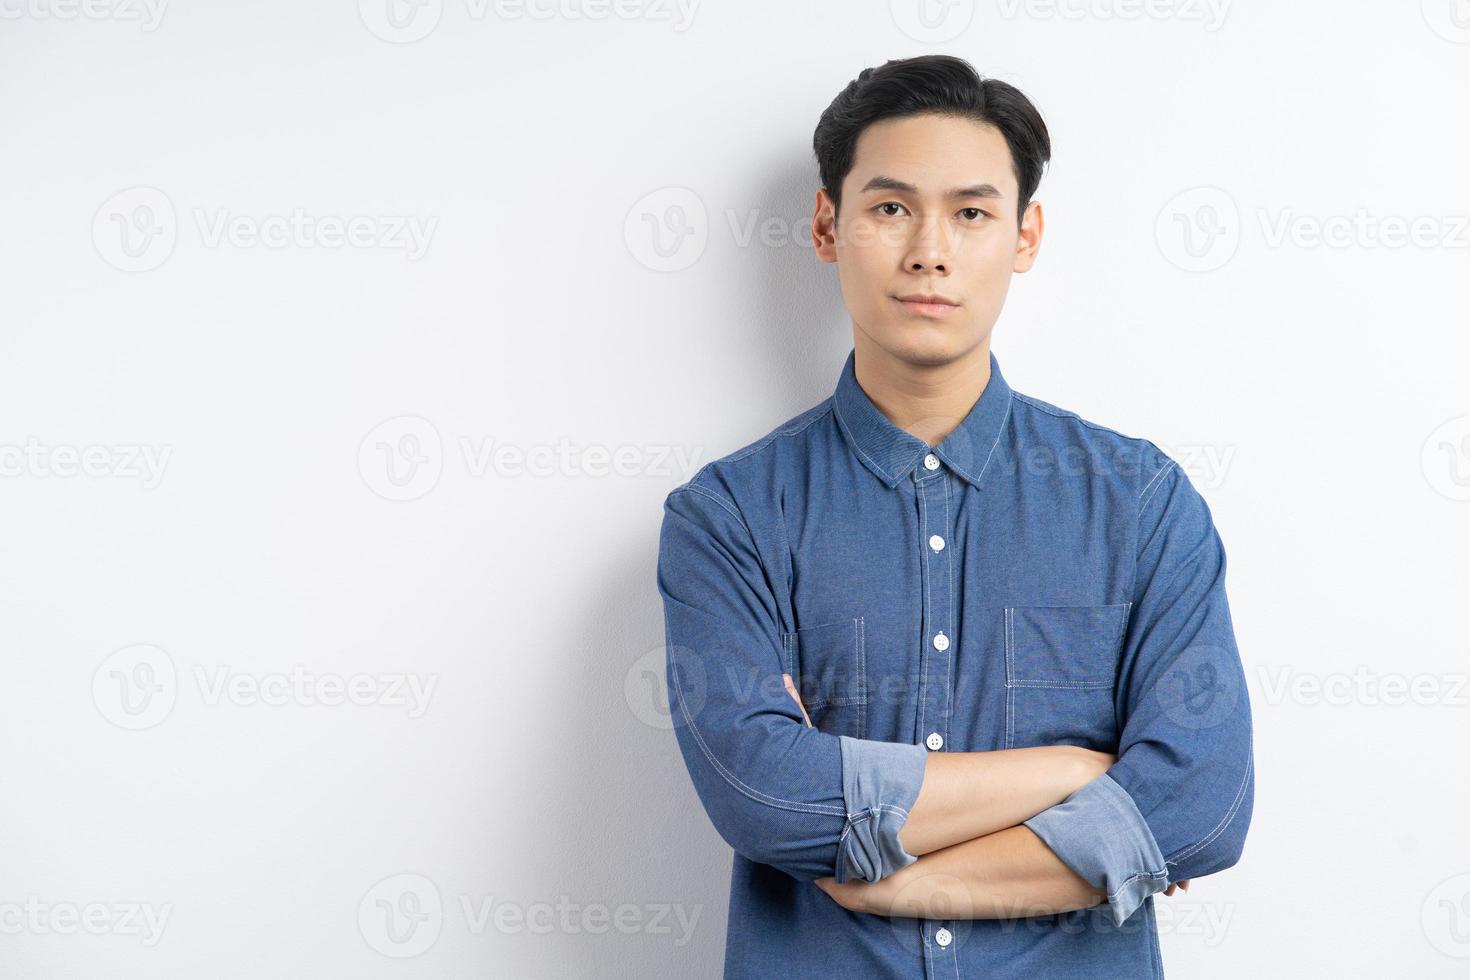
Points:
point(808, 802)
point(1178, 801)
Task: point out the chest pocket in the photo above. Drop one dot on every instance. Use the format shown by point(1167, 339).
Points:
point(828, 664)
point(1061, 669)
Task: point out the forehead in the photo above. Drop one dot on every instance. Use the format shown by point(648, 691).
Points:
point(934, 153)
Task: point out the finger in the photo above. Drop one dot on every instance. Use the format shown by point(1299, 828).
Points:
point(795, 696)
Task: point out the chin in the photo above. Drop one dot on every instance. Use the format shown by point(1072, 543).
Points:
point(925, 344)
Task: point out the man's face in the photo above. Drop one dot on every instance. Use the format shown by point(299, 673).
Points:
point(929, 208)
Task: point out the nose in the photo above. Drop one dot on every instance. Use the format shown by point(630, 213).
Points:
point(929, 251)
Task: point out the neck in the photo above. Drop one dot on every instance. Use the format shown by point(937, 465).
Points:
point(926, 399)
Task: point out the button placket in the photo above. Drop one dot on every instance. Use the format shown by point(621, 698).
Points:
point(934, 701)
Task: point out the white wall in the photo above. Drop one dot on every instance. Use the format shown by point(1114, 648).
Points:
point(1320, 391)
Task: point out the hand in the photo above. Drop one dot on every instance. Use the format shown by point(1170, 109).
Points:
point(855, 896)
point(1184, 884)
point(791, 690)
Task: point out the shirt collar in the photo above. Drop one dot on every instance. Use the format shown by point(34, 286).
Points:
point(891, 453)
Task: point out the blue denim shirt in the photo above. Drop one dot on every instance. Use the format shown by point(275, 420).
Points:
point(1034, 579)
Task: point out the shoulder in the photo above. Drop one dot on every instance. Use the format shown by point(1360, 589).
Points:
point(740, 483)
point(1067, 438)
point(755, 463)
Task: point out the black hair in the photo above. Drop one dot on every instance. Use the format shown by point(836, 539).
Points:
point(937, 84)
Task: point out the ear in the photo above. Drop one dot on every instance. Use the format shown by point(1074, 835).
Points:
point(1028, 238)
point(824, 227)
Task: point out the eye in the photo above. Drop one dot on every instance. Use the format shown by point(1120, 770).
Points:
point(888, 204)
point(976, 213)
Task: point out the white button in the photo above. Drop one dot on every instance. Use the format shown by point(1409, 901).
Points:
point(941, 642)
point(936, 542)
point(935, 741)
point(931, 462)
point(943, 937)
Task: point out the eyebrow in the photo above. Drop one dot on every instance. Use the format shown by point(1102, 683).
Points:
point(882, 183)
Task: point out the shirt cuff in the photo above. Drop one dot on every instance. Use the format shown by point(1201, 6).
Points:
point(880, 781)
point(1100, 834)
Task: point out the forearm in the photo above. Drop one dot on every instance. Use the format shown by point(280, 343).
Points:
point(1008, 874)
point(966, 795)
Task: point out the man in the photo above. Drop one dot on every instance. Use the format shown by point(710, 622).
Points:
point(952, 669)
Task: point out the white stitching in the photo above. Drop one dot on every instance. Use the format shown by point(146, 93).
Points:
point(733, 780)
point(1225, 821)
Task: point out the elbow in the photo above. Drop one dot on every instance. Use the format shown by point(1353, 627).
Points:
point(1222, 845)
point(801, 845)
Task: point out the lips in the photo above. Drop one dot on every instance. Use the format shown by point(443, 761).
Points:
point(928, 299)
point(928, 305)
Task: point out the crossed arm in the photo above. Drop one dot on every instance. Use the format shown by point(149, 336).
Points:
point(974, 860)
point(891, 827)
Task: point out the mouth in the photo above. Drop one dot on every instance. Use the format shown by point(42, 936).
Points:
point(928, 304)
